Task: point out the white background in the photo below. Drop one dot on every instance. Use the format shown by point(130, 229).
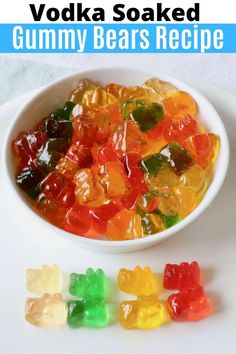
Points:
point(218, 70)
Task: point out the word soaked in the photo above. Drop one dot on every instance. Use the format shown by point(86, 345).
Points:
point(78, 12)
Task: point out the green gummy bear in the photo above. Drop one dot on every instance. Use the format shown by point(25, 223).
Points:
point(127, 107)
point(177, 157)
point(89, 313)
point(170, 220)
point(172, 154)
point(148, 115)
point(90, 284)
point(95, 313)
point(152, 164)
point(63, 113)
point(75, 313)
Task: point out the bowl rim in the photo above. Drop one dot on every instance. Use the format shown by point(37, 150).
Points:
point(214, 187)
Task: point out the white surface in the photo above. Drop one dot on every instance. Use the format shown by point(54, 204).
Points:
point(218, 70)
point(53, 96)
point(210, 240)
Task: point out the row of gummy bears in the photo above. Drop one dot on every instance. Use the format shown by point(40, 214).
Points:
point(90, 309)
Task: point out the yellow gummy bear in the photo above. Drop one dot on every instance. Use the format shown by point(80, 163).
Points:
point(47, 311)
point(45, 280)
point(140, 281)
point(146, 312)
point(163, 88)
point(97, 97)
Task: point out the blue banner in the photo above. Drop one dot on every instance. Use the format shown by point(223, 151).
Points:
point(117, 38)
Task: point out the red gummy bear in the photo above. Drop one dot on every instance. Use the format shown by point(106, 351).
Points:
point(80, 155)
point(200, 147)
point(66, 197)
point(78, 220)
point(52, 185)
point(58, 189)
point(179, 130)
point(84, 134)
point(190, 304)
point(136, 178)
point(102, 214)
point(26, 146)
point(106, 153)
point(185, 275)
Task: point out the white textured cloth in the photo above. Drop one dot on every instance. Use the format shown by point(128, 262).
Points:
point(22, 72)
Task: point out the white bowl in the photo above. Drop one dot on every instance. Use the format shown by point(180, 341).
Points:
point(53, 96)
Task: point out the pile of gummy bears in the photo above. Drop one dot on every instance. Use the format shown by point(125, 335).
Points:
point(117, 162)
point(91, 309)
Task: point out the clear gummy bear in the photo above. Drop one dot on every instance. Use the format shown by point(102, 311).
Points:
point(48, 279)
point(46, 311)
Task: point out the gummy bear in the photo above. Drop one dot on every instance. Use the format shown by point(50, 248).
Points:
point(51, 211)
point(179, 130)
point(190, 304)
point(80, 155)
point(102, 214)
point(172, 154)
point(57, 128)
point(28, 180)
point(63, 113)
point(165, 179)
point(45, 280)
point(194, 177)
point(105, 117)
point(85, 186)
point(77, 94)
point(127, 107)
point(133, 92)
point(77, 156)
point(66, 198)
point(125, 225)
point(180, 104)
point(52, 185)
point(90, 284)
point(89, 190)
point(163, 88)
point(47, 311)
point(200, 147)
point(166, 204)
point(140, 281)
point(127, 138)
point(147, 116)
point(179, 277)
point(136, 179)
point(187, 199)
point(152, 223)
point(50, 154)
point(113, 179)
point(92, 312)
point(84, 133)
point(177, 157)
point(66, 167)
point(77, 220)
point(26, 146)
point(97, 97)
point(146, 312)
point(56, 188)
point(106, 153)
